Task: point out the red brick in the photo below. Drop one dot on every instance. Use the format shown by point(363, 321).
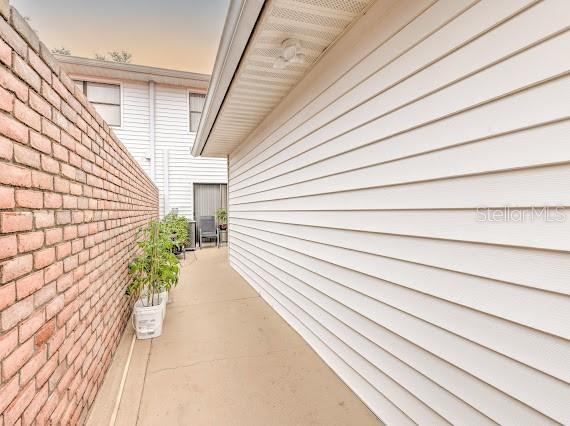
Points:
point(14, 175)
point(63, 217)
point(61, 185)
point(8, 343)
point(45, 333)
point(59, 336)
point(37, 403)
point(14, 411)
point(29, 284)
point(28, 328)
point(69, 202)
point(39, 66)
point(46, 411)
point(44, 219)
point(15, 268)
point(42, 180)
point(64, 282)
point(6, 148)
point(47, 370)
point(27, 115)
point(7, 295)
point(52, 97)
point(9, 82)
point(16, 312)
point(5, 54)
point(48, 58)
point(70, 232)
point(13, 129)
point(68, 171)
point(50, 165)
point(53, 236)
point(28, 34)
point(50, 130)
point(29, 199)
point(74, 159)
point(16, 360)
point(75, 188)
point(16, 221)
point(26, 73)
point(66, 314)
point(8, 392)
point(40, 142)
point(27, 156)
point(8, 246)
point(44, 295)
point(70, 263)
point(76, 246)
point(53, 272)
point(7, 201)
point(6, 100)
point(33, 365)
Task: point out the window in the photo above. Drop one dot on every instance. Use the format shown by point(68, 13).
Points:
point(106, 98)
point(196, 107)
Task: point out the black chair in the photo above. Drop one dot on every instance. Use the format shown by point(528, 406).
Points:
point(207, 229)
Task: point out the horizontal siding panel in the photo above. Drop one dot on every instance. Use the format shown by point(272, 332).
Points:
point(546, 353)
point(434, 278)
point(500, 408)
point(378, 402)
point(355, 210)
point(529, 108)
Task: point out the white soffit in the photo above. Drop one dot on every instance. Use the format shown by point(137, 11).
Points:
point(257, 86)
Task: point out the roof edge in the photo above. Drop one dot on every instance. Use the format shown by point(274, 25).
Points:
point(238, 28)
point(143, 70)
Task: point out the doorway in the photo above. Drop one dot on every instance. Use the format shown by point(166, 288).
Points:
point(209, 197)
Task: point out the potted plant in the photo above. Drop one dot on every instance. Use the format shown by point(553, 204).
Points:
point(155, 271)
point(177, 227)
point(222, 216)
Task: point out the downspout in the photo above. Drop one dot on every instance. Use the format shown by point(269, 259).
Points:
point(152, 124)
point(166, 155)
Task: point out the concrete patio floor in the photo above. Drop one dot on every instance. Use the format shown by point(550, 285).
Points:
point(224, 358)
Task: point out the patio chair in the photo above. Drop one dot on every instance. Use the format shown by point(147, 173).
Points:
point(207, 229)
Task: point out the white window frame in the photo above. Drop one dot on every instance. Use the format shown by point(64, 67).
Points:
point(107, 81)
point(189, 93)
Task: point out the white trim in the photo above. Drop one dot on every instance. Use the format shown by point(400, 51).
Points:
point(77, 65)
point(240, 22)
point(152, 127)
point(166, 178)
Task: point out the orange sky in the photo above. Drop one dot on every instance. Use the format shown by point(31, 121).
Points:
point(177, 34)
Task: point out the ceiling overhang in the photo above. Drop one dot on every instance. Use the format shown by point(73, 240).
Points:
point(246, 85)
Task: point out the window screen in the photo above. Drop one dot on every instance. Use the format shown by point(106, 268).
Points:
point(196, 107)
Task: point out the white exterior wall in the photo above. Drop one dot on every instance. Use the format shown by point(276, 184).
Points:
point(135, 121)
point(172, 135)
point(353, 211)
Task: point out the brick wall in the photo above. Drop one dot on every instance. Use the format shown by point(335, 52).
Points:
point(71, 200)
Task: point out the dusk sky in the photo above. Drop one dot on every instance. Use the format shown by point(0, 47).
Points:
point(177, 34)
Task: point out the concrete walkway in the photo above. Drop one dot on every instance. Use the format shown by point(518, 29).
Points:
point(224, 358)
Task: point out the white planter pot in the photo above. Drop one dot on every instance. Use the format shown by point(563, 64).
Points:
point(163, 301)
point(148, 319)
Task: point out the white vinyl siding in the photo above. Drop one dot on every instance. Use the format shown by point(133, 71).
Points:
point(353, 210)
point(135, 130)
point(173, 137)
